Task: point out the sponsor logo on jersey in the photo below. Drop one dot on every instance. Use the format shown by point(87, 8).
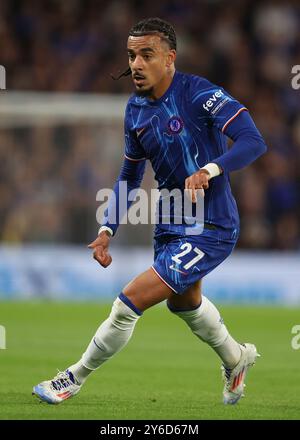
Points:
point(175, 125)
point(213, 99)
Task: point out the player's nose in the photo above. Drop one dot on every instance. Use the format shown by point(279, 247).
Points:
point(137, 63)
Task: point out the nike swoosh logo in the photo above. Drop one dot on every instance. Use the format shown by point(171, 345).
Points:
point(177, 270)
point(139, 132)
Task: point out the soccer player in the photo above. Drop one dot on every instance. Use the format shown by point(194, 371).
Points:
point(180, 123)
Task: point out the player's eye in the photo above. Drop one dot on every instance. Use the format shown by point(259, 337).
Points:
point(131, 56)
point(147, 57)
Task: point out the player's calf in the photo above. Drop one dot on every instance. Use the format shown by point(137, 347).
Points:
point(206, 323)
point(113, 334)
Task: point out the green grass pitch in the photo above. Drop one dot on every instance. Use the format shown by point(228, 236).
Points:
point(165, 372)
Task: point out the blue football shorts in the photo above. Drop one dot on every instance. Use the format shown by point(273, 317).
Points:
point(180, 261)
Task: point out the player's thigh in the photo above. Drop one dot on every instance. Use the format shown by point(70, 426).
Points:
point(146, 290)
point(189, 299)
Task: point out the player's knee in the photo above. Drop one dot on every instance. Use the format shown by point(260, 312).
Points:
point(204, 321)
point(122, 316)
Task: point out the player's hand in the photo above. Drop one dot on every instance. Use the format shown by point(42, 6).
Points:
point(197, 181)
point(100, 246)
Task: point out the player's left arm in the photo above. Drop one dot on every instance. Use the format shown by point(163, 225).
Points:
point(247, 147)
point(230, 117)
point(248, 144)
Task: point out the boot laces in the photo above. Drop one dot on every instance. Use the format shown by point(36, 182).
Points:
point(61, 380)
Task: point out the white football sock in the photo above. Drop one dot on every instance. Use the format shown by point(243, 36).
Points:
point(112, 335)
point(207, 324)
point(80, 372)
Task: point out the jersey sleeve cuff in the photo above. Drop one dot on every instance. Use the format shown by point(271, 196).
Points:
point(213, 169)
point(134, 160)
point(106, 228)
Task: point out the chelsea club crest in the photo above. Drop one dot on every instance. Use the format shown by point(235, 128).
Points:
point(175, 125)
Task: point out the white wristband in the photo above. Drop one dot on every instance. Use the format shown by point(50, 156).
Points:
point(213, 169)
point(106, 228)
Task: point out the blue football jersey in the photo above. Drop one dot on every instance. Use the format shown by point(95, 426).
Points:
point(181, 132)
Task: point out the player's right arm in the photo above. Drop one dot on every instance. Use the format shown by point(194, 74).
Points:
point(100, 247)
point(132, 172)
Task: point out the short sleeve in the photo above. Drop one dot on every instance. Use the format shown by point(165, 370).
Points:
point(215, 104)
point(133, 149)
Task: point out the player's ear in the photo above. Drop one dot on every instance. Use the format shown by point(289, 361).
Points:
point(171, 57)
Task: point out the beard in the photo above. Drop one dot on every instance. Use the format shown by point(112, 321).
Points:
point(144, 93)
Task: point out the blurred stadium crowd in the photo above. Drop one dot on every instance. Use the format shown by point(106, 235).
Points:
point(50, 175)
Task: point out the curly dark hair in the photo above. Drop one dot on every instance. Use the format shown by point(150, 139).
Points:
point(155, 26)
point(150, 26)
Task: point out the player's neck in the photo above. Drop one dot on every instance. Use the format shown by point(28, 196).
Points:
point(160, 89)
